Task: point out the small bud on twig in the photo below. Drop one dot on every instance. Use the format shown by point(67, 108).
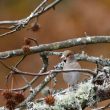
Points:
point(27, 41)
point(50, 100)
point(26, 49)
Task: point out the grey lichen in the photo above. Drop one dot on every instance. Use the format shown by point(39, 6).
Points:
point(86, 93)
point(83, 91)
point(70, 99)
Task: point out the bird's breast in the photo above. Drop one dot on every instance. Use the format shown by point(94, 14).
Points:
point(71, 77)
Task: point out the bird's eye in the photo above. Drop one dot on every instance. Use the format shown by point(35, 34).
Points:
point(64, 60)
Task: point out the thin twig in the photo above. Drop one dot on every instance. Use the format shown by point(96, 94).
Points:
point(17, 64)
point(103, 108)
point(107, 106)
point(11, 72)
point(6, 66)
point(34, 40)
point(53, 71)
point(7, 33)
point(18, 72)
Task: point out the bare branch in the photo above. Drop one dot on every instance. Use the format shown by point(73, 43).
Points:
point(18, 72)
point(57, 45)
point(19, 24)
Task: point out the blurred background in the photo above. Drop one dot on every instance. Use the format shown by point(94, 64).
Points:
point(70, 19)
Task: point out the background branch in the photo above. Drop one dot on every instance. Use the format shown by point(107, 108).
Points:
point(17, 25)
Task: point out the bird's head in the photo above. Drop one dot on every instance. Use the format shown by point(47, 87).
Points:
point(68, 54)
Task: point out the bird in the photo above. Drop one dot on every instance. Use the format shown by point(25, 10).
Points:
point(71, 78)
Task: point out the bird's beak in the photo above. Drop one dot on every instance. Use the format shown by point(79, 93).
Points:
point(63, 57)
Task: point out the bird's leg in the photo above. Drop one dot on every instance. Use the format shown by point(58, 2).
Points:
point(69, 87)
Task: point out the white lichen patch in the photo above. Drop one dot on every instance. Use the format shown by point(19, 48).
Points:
point(38, 106)
point(84, 91)
point(78, 39)
point(13, 52)
point(64, 98)
point(69, 99)
point(88, 38)
point(47, 78)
